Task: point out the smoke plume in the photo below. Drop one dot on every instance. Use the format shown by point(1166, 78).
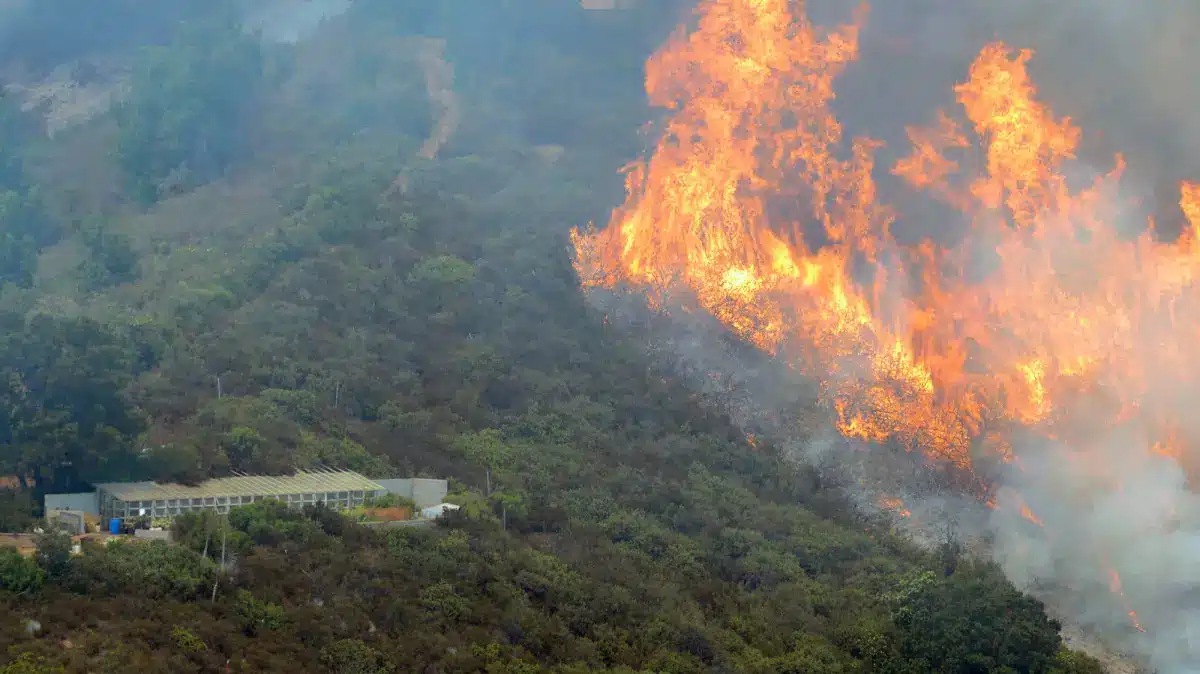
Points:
point(997, 313)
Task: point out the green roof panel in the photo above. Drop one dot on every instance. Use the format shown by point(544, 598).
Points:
point(243, 485)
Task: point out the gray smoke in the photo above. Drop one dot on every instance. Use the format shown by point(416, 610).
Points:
point(1146, 529)
point(1125, 73)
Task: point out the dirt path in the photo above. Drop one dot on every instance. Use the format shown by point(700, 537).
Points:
point(25, 543)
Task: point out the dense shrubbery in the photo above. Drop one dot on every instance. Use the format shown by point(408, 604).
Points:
point(19, 574)
point(622, 594)
point(151, 569)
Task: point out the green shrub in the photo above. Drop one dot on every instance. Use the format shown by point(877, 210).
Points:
point(150, 569)
point(391, 501)
point(186, 641)
point(19, 574)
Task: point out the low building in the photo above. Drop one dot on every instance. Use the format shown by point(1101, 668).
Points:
point(73, 521)
point(337, 489)
point(78, 513)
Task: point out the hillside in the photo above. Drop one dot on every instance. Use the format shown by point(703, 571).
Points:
point(352, 250)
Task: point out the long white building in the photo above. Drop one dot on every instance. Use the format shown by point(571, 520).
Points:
point(337, 489)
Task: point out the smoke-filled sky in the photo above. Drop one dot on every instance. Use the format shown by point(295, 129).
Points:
point(1124, 71)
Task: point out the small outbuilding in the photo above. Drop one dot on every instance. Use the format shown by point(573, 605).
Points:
point(433, 512)
point(73, 521)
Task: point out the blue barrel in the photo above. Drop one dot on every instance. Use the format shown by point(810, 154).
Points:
point(114, 526)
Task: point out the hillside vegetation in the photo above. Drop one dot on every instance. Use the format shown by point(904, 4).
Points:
point(352, 251)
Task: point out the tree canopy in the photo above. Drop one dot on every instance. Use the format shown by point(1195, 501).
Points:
point(185, 119)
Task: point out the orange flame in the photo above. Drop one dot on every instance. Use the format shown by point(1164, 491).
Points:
point(928, 360)
point(1028, 514)
point(895, 505)
point(937, 348)
point(1114, 586)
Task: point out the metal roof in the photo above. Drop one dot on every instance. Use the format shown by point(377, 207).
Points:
point(244, 485)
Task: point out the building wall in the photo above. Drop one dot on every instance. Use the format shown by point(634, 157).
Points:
point(87, 502)
point(400, 486)
point(427, 492)
point(423, 491)
point(113, 507)
point(74, 520)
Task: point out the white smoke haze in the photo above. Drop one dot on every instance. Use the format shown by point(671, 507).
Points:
point(1145, 527)
point(291, 20)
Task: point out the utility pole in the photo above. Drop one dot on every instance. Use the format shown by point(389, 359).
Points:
point(218, 387)
point(221, 569)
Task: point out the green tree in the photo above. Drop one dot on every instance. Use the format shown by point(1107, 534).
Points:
point(186, 641)
point(206, 532)
point(25, 226)
point(443, 603)
point(154, 569)
point(352, 656)
point(66, 409)
point(973, 620)
point(256, 615)
point(16, 510)
point(187, 116)
point(273, 522)
point(14, 130)
point(1070, 662)
point(487, 449)
point(439, 285)
point(53, 553)
point(315, 450)
point(25, 229)
point(19, 574)
point(28, 663)
point(111, 259)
